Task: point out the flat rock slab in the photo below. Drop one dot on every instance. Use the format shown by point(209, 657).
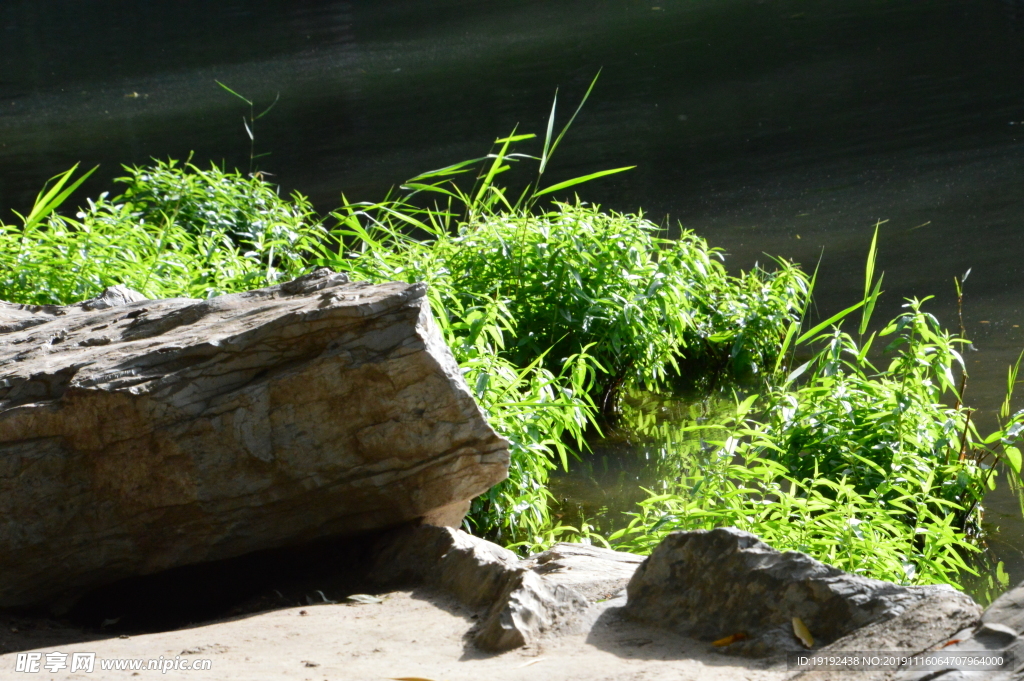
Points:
point(140, 435)
point(410, 635)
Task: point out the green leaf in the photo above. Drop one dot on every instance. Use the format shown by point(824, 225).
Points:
point(267, 110)
point(828, 322)
point(1012, 455)
point(565, 129)
point(247, 101)
point(48, 201)
point(580, 180)
point(545, 155)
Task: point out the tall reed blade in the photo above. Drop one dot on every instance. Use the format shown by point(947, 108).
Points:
point(871, 289)
point(49, 200)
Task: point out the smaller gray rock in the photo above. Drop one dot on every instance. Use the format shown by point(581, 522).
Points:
point(522, 600)
point(471, 569)
point(527, 608)
point(1008, 609)
point(594, 572)
point(1000, 630)
point(713, 584)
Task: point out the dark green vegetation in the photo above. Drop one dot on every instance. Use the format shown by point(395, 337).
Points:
point(863, 456)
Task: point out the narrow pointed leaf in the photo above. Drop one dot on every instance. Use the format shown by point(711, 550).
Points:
point(547, 136)
point(828, 322)
point(233, 92)
point(580, 180)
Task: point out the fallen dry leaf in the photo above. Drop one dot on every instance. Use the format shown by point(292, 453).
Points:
point(802, 632)
point(365, 599)
point(729, 640)
point(950, 642)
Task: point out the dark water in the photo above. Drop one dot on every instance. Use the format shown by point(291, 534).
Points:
point(776, 126)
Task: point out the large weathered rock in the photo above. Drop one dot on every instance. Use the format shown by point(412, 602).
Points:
point(711, 585)
point(140, 435)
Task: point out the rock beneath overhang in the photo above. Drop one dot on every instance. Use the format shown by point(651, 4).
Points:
point(520, 600)
point(140, 435)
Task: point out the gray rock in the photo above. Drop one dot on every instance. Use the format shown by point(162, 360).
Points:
point(471, 569)
point(713, 584)
point(593, 572)
point(554, 591)
point(137, 436)
point(528, 607)
point(521, 600)
point(937, 617)
point(1001, 630)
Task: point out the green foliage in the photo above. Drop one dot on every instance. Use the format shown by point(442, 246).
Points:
point(858, 470)
point(560, 306)
point(176, 230)
point(827, 519)
point(538, 412)
point(576, 276)
point(879, 472)
point(850, 420)
point(582, 300)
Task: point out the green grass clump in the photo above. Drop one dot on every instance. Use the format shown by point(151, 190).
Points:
point(583, 301)
point(850, 420)
point(176, 230)
point(861, 470)
point(879, 471)
point(575, 277)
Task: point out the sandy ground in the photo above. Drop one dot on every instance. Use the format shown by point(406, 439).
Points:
point(410, 634)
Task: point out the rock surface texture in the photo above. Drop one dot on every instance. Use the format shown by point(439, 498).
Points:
point(139, 435)
point(714, 584)
point(702, 585)
point(1000, 632)
point(521, 599)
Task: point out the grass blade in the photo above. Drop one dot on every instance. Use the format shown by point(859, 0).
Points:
point(574, 114)
point(267, 110)
point(49, 201)
point(249, 102)
point(829, 322)
point(580, 180)
point(869, 275)
point(547, 136)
